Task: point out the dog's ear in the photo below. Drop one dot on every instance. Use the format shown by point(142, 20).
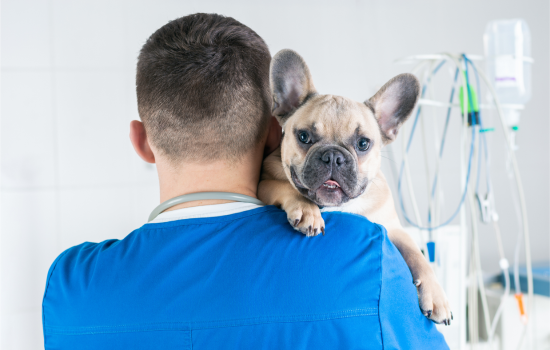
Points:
point(394, 103)
point(290, 82)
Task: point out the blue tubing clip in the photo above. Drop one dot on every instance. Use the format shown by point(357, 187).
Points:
point(431, 251)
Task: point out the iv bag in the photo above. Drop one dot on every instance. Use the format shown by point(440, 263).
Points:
point(508, 60)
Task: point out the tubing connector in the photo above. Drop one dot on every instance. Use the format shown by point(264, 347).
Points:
point(431, 251)
point(522, 315)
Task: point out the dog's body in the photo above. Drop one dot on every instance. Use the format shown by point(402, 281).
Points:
point(330, 156)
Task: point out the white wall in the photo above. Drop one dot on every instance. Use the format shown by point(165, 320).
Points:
point(69, 173)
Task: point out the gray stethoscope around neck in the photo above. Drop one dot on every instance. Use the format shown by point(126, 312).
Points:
point(201, 196)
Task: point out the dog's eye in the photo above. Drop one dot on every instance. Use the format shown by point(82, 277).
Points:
point(363, 144)
point(303, 137)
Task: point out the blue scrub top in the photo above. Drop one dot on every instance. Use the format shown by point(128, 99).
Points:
point(241, 281)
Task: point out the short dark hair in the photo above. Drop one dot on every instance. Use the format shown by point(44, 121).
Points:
point(203, 88)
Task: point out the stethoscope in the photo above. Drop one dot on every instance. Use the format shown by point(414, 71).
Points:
point(200, 196)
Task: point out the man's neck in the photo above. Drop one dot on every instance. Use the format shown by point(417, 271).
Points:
point(218, 176)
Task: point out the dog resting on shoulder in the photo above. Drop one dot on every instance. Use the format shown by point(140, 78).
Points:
point(330, 156)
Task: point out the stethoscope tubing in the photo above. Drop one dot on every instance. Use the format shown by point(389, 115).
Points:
point(200, 196)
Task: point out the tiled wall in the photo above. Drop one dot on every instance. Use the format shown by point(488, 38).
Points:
point(69, 173)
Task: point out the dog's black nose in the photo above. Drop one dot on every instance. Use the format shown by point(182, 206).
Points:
point(333, 156)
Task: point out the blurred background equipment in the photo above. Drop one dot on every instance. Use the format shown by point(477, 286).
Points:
point(454, 251)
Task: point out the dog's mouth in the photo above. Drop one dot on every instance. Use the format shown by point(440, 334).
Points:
point(331, 184)
point(329, 192)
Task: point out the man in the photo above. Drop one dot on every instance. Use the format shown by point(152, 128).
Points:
point(215, 273)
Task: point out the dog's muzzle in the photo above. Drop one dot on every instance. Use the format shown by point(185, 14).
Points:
point(329, 176)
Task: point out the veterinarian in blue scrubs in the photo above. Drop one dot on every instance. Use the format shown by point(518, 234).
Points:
point(219, 274)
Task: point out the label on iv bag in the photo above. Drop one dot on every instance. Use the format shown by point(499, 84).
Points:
point(505, 71)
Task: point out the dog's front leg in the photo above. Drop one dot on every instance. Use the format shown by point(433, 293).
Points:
point(431, 297)
point(302, 214)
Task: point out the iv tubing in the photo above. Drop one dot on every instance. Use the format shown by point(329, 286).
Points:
point(503, 263)
point(523, 205)
point(475, 232)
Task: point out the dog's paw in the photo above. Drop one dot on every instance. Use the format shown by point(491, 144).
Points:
point(433, 300)
point(305, 217)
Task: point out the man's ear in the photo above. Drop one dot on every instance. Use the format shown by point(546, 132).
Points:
point(140, 141)
point(291, 83)
point(394, 103)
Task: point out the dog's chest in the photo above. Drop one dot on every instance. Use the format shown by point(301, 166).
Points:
point(356, 206)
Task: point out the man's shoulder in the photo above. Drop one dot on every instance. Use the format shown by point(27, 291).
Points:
point(251, 230)
point(268, 225)
point(258, 254)
point(344, 221)
point(246, 272)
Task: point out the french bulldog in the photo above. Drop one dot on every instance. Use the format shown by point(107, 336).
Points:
point(330, 157)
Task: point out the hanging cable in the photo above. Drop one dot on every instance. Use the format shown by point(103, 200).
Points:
point(403, 164)
point(486, 207)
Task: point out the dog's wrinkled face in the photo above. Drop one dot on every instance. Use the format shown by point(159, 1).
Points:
point(331, 145)
point(331, 148)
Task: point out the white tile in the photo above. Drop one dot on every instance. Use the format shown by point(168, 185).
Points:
point(27, 130)
point(95, 214)
point(93, 129)
point(26, 33)
point(146, 17)
point(29, 239)
point(145, 199)
point(22, 330)
point(88, 33)
point(130, 96)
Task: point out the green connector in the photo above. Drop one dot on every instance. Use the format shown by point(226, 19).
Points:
point(487, 130)
point(473, 103)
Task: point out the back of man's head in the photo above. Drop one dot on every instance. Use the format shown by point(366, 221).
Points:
point(203, 88)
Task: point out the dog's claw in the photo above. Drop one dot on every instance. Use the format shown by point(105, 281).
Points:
point(323, 230)
point(305, 217)
point(452, 316)
point(432, 300)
